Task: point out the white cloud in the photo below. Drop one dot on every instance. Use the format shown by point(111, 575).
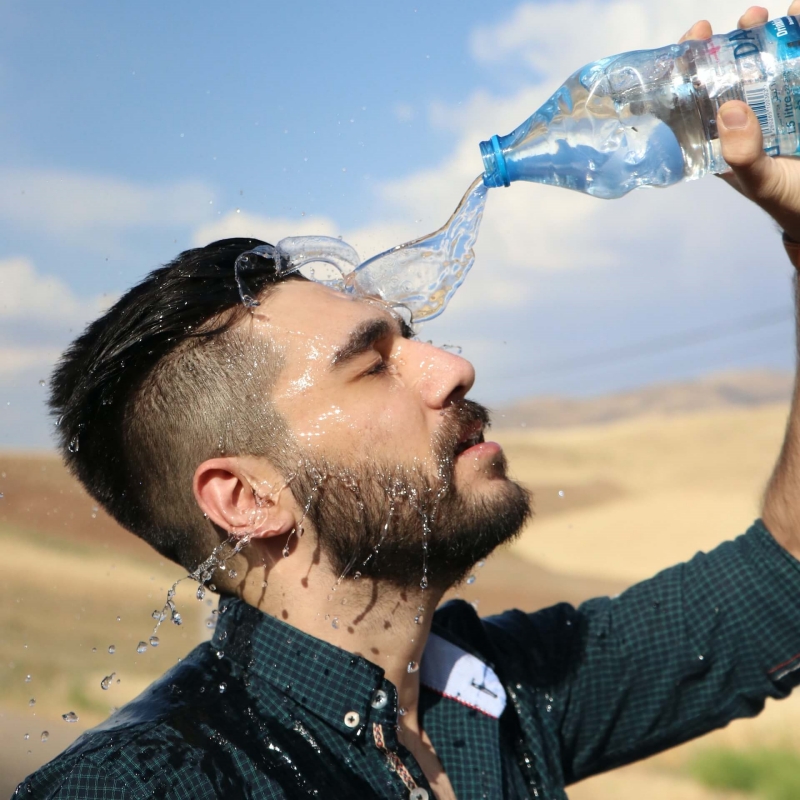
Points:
point(557, 38)
point(367, 240)
point(269, 229)
point(27, 294)
point(16, 359)
point(72, 204)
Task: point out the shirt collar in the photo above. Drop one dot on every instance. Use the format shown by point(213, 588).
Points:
point(332, 683)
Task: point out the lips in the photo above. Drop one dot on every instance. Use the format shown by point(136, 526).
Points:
point(471, 436)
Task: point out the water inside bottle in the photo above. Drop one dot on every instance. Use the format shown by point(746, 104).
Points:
point(605, 131)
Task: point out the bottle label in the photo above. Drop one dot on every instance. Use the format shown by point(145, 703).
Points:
point(767, 60)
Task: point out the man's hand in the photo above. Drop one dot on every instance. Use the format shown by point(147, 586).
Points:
point(772, 183)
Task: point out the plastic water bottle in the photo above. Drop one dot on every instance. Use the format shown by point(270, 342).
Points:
point(648, 117)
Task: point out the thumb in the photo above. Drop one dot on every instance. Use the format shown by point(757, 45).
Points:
point(743, 149)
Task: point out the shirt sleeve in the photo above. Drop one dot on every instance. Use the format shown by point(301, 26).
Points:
point(669, 659)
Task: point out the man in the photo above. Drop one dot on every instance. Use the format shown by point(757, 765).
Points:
point(326, 473)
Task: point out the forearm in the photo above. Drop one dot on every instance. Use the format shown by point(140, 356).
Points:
point(781, 505)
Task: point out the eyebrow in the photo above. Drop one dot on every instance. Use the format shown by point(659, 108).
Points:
point(363, 337)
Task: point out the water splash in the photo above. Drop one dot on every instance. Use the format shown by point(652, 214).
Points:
point(424, 274)
point(421, 275)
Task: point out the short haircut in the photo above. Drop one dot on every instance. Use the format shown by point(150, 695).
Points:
point(167, 378)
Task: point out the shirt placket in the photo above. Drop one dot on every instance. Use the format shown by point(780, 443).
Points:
point(399, 761)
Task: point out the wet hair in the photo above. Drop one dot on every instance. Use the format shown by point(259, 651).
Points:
point(167, 378)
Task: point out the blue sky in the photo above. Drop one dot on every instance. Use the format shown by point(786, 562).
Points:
point(131, 131)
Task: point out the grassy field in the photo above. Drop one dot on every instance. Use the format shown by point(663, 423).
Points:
point(638, 495)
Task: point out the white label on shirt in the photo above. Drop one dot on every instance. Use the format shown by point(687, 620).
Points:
point(454, 673)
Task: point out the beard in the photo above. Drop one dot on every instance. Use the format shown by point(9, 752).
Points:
point(400, 525)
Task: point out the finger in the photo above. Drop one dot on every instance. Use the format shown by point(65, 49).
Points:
point(700, 30)
point(794, 8)
point(755, 15)
point(743, 149)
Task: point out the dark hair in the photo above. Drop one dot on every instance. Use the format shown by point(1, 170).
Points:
point(164, 380)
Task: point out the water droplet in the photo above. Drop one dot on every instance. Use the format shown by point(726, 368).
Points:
point(423, 584)
point(560, 492)
point(335, 622)
point(412, 666)
point(45, 736)
point(26, 736)
point(112, 649)
point(154, 641)
point(211, 622)
point(27, 679)
point(94, 649)
point(32, 701)
point(401, 711)
point(357, 576)
point(233, 573)
point(70, 716)
point(176, 618)
point(141, 647)
point(74, 444)
point(42, 382)
point(222, 687)
point(471, 579)
point(220, 654)
point(119, 619)
point(201, 592)
point(158, 616)
point(106, 682)
point(482, 563)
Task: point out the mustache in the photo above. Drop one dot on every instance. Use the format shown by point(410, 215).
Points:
point(459, 419)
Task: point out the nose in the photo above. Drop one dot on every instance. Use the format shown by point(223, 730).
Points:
point(443, 377)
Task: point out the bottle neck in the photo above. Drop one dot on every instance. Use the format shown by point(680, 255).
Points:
point(495, 170)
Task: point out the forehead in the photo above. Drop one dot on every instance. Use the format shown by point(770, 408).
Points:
point(305, 316)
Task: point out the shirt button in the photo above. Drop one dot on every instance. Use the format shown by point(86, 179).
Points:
point(380, 699)
point(352, 718)
point(418, 794)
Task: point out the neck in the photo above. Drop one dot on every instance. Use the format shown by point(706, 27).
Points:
point(382, 623)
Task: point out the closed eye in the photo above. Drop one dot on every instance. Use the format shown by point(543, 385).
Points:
point(378, 368)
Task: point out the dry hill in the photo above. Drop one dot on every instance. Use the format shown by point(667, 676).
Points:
point(723, 390)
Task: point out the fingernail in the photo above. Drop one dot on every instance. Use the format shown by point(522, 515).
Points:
point(734, 118)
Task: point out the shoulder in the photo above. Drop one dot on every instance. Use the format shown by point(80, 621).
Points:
point(101, 765)
point(152, 747)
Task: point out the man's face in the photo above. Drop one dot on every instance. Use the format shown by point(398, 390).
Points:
point(387, 453)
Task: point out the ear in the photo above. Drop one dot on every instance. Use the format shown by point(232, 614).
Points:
point(224, 491)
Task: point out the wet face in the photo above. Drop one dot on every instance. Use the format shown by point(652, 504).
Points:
point(386, 452)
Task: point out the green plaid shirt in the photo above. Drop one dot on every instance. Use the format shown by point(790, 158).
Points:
point(517, 706)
